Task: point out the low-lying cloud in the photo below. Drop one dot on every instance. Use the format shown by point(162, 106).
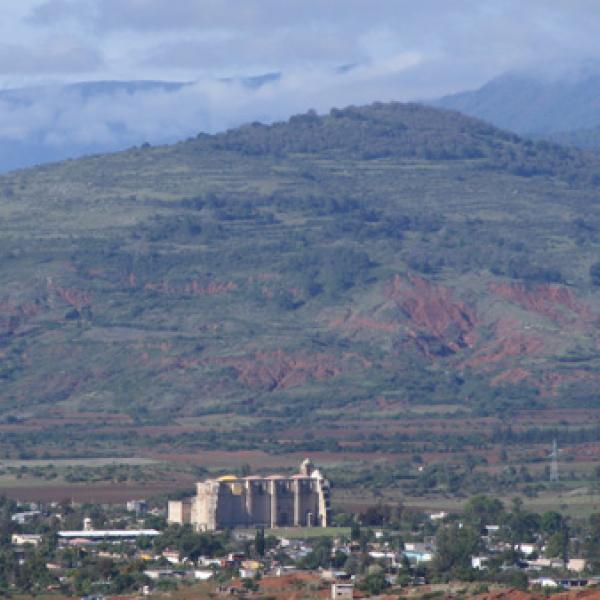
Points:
point(66, 121)
point(330, 53)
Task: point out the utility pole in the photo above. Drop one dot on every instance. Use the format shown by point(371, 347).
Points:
point(554, 462)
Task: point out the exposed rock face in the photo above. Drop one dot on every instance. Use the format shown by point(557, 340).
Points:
point(436, 316)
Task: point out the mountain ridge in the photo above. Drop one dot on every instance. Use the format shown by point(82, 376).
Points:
point(534, 104)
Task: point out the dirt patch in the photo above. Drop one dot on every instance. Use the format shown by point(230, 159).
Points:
point(510, 340)
point(434, 313)
point(512, 376)
point(73, 297)
point(295, 586)
point(513, 594)
point(281, 370)
point(556, 302)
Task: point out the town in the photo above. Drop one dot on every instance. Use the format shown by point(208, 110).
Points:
point(145, 547)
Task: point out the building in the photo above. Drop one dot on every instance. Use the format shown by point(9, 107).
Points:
point(22, 539)
point(577, 564)
point(136, 506)
point(301, 500)
point(24, 517)
point(342, 591)
point(90, 536)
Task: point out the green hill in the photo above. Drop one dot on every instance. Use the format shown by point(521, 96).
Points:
point(369, 260)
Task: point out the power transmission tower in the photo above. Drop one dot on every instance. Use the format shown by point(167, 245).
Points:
point(554, 463)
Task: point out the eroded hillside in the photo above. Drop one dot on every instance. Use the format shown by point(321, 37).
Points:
point(391, 251)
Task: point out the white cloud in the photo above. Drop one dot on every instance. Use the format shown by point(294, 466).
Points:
point(57, 56)
point(399, 49)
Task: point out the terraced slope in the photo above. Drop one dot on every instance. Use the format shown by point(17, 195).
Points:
point(304, 269)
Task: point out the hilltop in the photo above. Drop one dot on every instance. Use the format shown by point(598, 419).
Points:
point(365, 262)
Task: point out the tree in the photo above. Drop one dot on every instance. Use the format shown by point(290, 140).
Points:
point(250, 584)
point(259, 542)
point(455, 545)
point(481, 510)
point(551, 522)
point(558, 544)
point(375, 515)
point(374, 583)
point(319, 557)
point(595, 273)
point(355, 532)
point(592, 544)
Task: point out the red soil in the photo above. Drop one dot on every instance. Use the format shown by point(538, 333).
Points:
point(76, 298)
point(513, 376)
point(512, 594)
point(552, 382)
point(434, 310)
point(554, 301)
point(510, 341)
point(270, 370)
point(281, 370)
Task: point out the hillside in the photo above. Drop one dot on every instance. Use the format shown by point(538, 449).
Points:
point(536, 104)
point(268, 279)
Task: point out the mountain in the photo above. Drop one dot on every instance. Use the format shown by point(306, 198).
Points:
point(535, 103)
point(357, 265)
point(54, 122)
point(579, 138)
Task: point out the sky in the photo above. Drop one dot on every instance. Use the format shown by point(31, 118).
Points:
point(328, 52)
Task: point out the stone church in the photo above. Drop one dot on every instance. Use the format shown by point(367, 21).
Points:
point(300, 500)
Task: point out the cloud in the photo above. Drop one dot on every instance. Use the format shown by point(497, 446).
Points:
point(283, 49)
point(72, 116)
point(56, 56)
point(476, 39)
point(53, 11)
point(398, 49)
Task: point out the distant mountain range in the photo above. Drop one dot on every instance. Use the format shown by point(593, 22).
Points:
point(564, 108)
point(51, 123)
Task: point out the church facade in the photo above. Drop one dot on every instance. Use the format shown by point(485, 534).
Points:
point(301, 500)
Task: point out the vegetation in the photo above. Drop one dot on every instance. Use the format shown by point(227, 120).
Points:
point(341, 269)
